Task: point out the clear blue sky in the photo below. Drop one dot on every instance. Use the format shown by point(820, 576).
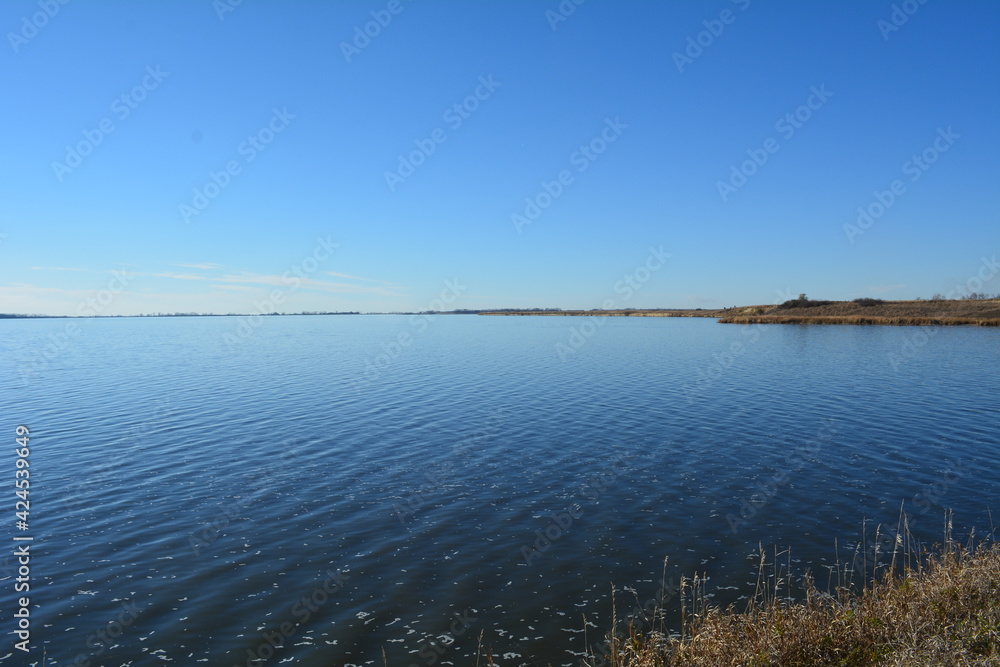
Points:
point(198, 81)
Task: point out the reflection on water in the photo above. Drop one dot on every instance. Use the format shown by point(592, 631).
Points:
point(277, 501)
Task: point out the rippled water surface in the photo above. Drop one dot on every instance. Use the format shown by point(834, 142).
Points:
point(314, 485)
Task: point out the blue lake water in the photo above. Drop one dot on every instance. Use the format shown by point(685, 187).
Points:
point(202, 490)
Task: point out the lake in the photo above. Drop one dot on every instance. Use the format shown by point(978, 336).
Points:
point(315, 490)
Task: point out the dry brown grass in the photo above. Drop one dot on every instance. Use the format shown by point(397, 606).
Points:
point(860, 319)
point(924, 609)
point(978, 312)
point(984, 312)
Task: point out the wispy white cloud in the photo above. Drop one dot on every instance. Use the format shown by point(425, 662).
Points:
point(218, 298)
point(203, 291)
point(37, 300)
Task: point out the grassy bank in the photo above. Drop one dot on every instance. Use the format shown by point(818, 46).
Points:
point(975, 312)
point(929, 609)
point(859, 319)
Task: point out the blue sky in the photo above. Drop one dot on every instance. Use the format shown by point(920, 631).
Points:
point(102, 192)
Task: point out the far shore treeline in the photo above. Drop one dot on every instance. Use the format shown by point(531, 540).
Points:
point(973, 309)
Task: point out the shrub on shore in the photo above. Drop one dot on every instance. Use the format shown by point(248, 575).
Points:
point(802, 302)
point(929, 609)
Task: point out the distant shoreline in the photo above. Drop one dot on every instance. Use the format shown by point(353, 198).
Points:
point(963, 312)
point(612, 313)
